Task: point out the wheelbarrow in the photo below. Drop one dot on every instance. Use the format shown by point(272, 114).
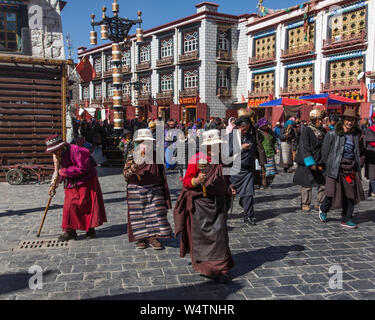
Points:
point(21, 173)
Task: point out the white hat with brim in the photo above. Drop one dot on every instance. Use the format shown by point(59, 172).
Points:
point(211, 138)
point(144, 135)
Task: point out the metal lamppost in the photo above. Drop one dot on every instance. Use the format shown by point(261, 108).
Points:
point(117, 30)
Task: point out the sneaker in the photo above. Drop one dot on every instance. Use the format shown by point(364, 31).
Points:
point(349, 224)
point(142, 244)
point(156, 244)
point(322, 216)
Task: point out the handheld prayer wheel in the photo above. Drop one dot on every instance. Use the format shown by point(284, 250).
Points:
point(93, 38)
point(202, 165)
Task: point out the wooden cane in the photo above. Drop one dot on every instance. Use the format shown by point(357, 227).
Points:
point(54, 184)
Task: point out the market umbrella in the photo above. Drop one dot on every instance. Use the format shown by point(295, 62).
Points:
point(328, 98)
point(284, 102)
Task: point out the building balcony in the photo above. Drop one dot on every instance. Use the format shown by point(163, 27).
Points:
point(262, 59)
point(108, 100)
point(98, 75)
point(84, 103)
point(224, 93)
point(352, 42)
point(165, 97)
point(339, 85)
point(97, 101)
point(299, 90)
point(143, 99)
point(143, 66)
point(107, 74)
point(127, 99)
point(261, 93)
point(126, 69)
point(307, 50)
point(188, 93)
point(189, 57)
point(224, 57)
point(164, 62)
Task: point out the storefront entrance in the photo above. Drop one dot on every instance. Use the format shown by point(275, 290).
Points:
point(190, 114)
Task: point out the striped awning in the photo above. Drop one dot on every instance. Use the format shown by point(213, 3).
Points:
point(349, 55)
point(347, 9)
point(264, 34)
point(299, 64)
point(299, 23)
point(258, 71)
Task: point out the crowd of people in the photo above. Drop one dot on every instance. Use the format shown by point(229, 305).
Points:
point(323, 153)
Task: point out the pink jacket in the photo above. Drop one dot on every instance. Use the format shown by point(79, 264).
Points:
point(77, 167)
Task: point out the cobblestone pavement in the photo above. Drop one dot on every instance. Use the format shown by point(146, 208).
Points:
point(288, 255)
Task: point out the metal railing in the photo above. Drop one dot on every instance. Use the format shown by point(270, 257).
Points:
point(262, 58)
point(143, 66)
point(164, 61)
point(193, 92)
point(346, 39)
point(224, 92)
point(191, 56)
point(302, 49)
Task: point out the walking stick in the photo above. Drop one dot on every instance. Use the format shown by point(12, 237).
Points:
point(54, 184)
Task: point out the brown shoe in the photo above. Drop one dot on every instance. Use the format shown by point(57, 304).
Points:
point(317, 207)
point(156, 244)
point(142, 244)
point(306, 208)
point(68, 235)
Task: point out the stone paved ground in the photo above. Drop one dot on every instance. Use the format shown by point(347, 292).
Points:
point(286, 256)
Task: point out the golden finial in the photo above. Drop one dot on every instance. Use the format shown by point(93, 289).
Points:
point(104, 9)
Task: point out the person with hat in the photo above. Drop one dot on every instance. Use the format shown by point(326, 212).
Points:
point(243, 177)
point(200, 212)
point(148, 196)
point(310, 170)
point(267, 140)
point(370, 156)
point(342, 154)
point(170, 145)
point(84, 205)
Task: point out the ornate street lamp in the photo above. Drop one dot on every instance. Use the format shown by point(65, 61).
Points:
point(117, 30)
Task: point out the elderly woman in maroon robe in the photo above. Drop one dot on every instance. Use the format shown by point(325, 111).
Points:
point(200, 212)
point(84, 205)
point(147, 195)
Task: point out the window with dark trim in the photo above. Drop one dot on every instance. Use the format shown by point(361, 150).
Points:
point(9, 30)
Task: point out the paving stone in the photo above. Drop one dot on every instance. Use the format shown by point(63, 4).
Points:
point(285, 291)
point(257, 293)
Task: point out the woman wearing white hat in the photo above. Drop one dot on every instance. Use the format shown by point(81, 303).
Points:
point(148, 195)
point(200, 212)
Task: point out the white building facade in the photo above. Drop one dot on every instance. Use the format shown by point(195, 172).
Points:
point(205, 64)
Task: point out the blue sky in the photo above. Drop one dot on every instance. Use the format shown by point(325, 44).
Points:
point(76, 14)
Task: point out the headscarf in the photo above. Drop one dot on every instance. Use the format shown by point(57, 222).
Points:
point(289, 123)
point(230, 126)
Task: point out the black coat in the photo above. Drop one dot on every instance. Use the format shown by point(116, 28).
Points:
point(310, 146)
point(370, 154)
point(333, 150)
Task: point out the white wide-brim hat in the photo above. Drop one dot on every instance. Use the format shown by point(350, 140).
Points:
point(211, 137)
point(143, 135)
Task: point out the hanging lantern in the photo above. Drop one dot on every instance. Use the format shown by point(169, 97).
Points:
point(104, 31)
point(117, 77)
point(118, 120)
point(93, 38)
point(116, 53)
point(139, 35)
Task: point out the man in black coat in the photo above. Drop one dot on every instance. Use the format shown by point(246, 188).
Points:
point(309, 173)
point(343, 155)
